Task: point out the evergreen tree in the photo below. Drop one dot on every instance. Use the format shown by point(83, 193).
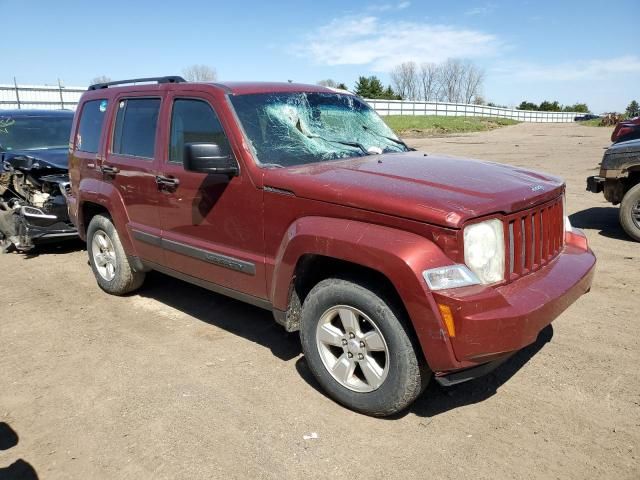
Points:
point(633, 110)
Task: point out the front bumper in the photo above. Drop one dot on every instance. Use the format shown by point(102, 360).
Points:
point(595, 184)
point(493, 322)
point(37, 227)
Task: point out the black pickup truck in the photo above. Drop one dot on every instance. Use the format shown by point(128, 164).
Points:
point(619, 180)
point(34, 178)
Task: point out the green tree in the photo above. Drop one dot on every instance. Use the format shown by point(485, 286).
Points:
point(578, 107)
point(342, 86)
point(372, 87)
point(389, 94)
point(633, 109)
point(363, 87)
point(527, 106)
point(548, 106)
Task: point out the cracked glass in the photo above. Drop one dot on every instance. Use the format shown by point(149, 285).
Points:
point(297, 128)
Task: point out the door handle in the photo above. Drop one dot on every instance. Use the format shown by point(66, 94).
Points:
point(167, 183)
point(111, 171)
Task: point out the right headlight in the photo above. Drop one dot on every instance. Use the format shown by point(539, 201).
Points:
point(484, 250)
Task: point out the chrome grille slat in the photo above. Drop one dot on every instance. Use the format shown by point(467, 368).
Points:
point(535, 237)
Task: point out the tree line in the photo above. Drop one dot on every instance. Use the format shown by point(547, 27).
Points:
point(549, 106)
point(455, 80)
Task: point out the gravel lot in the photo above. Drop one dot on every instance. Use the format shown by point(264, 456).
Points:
point(177, 382)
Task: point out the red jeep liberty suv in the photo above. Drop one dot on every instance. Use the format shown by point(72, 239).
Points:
point(395, 266)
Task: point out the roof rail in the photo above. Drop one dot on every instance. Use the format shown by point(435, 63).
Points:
point(167, 79)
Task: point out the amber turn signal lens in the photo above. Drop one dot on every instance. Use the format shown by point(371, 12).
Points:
point(447, 316)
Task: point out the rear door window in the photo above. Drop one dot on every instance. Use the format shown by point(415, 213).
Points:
point(90, 126)
point(135, 129)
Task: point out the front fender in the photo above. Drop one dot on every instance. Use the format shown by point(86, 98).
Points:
point(400, 256)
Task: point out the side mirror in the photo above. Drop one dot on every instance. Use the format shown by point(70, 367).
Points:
point(209, 158)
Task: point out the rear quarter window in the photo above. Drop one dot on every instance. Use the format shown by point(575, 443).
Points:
point(90, 125)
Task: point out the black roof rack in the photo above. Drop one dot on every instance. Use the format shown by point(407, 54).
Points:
point(167, 79)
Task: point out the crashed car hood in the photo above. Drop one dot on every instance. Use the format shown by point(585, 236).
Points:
point(440, 190)
point(50, 158)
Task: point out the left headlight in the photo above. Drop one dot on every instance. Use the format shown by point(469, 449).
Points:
point(484, 250)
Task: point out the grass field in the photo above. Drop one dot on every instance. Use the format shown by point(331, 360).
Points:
point(596, 122)
point(430, 125)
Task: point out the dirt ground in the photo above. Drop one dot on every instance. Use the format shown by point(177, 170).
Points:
point(177, 382)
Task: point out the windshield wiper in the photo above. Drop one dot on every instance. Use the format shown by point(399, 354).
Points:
point(391, 139)
point(341, 142)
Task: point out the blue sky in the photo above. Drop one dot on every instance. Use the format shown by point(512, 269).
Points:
point(559, 50)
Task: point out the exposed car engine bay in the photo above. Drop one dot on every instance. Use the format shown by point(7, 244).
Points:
point(32, 202)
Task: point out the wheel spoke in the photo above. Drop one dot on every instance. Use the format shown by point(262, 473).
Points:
point(373, 341)
point(344, 368)
point(102, 241)
point(100, 260)
point(330, 335)
point(372, 372)
point(349, 320)
point(110, 270)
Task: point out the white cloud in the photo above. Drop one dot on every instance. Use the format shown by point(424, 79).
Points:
point(385, 7)
point(382, 44)
point(595, 69)
point(479, 11)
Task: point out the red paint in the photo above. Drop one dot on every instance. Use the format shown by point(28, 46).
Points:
point(398, 214)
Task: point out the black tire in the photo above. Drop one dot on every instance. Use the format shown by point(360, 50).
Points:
point(407, 373)
point(125, 279)
point(631, 202)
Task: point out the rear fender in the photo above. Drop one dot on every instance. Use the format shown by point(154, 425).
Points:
point(107, 196)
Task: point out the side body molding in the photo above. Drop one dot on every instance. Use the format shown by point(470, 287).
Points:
point(400, 256)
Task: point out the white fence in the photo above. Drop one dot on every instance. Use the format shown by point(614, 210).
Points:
point(56, 97)
point(403, 107)
point(39, 96)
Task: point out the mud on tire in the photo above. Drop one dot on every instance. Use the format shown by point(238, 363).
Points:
point(360, 348)
point(630, 213)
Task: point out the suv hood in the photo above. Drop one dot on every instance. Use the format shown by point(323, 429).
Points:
point(439, 190)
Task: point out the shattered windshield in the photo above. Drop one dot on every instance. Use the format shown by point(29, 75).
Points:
point(31, 132)
point(298, 128)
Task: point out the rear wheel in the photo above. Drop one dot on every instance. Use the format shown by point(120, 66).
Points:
point(108, 260)
point(359, 348)
point(630, 213)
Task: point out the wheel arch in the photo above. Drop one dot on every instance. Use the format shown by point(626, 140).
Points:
point(315, 248)
point(109, 202)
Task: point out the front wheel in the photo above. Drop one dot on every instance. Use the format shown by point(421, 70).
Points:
point(630, 213)
point(360, 349)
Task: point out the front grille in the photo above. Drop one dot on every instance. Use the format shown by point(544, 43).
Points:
point(536, 236)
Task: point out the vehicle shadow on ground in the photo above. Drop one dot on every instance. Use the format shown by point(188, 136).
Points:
point(239, 318)
point(60, 248)
point(436, 399)
point(18, 470)
point(603, 219)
